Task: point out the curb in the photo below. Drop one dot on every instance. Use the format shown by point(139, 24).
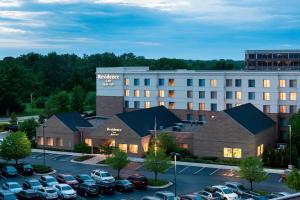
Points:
point(49, 173)
point(161, 187)
point(95, 164)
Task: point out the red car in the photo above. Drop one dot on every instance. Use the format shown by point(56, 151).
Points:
point(67, 179)
point(139, 181)
point(190, 197)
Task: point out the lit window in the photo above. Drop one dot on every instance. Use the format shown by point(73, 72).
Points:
point(171, 105)
point(202, 106)
point(171, 82)
point(40, 140)
point(266, 83)
point(282, 95)
point(238, 95)
point(123, 147)
point(88, 141)
point(293, 96)
point(145, 146)
point(228, 152)
point(133, 148)
point(136, 93)
point(161, 93)
point(126, 93)
point(171, 93)
point(213, 83)
point(282, 109)
point(282, 83)
point(126, 81)
point(147, 93)
point(237, 153)
point(112, 143)
point(183, 146)
point(49, 141)
point(161, 103)
point(260, 150)
point(266, 96)
point(147, 104)
point(190, 106)
point(59, 142)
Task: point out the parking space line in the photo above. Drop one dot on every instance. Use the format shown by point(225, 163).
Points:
point(3, 177)
point(214, 172)
point(38, 155)
point(199, 170)
point(280, 180)
point(138, 167)
point(54, 158)
point(169, 169)
point(183, 169)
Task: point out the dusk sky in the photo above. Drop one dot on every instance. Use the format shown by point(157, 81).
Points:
point(190, 29)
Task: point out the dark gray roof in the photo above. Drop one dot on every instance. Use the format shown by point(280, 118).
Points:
point(141, 121)
point(250, 117)
point(73, 120)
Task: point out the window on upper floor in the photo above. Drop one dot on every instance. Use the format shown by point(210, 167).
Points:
point(147, 104)
point(213, 83)
point(146, 82)
point(238, 82)
point(171, 82)
point(189, 82)
point(213, 107)
point(126, 104)
point(266, 83)
point(282, 109)
point(238, 95)
point(136, 93)
point(251, 83)
point(293, 96)
point(282, 83)
point(136, 82)
point(126, 93)
point(228, 95)
point(171, 105)
point(293, 83)
point(228, 82)
point(136, 104)
point(161, 82)
point(266, 108)
point(190, 106)
point(126, 81)
point(189, 117)
point(161, 93)
point(293, 108)
point(282, 96)
point(251, 95)
point(213, 95)
point(162, 103)
point(189, 94)
point(266, 96)
point(202, 106)
point(201, 94)
point(147, 93)
point(171, 93)
point(201, 82)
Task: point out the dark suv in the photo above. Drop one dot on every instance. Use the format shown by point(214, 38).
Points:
point(25, 169)
point(106, 187)
point(139, 181)
point(87, 189)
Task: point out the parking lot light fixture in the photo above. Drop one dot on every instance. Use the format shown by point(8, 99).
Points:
point(44, 150)
point(175, 155)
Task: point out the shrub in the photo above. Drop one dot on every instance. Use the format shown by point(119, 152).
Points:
point(40, 102)
point(42, 169)
point(82, 147)
point(158, 182)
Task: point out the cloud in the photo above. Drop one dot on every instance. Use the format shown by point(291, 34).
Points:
point(9, 3)
point(7, 30)
point(148, 43)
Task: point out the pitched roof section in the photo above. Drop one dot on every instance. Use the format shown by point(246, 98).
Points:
point(250, 117)
point(141, 121)
point(73, 120)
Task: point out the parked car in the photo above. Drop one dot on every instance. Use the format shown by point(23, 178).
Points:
point(190, 197)
point(88, 189)
point(139, 181)
point(48, 193)
point(209, 195)
point(83, 178)
point(48, 181)
point(9, 171)
point(100, 175)
point(25, 169)
point(7, 195)
point(28, 195)
point(12, 186)
point(67, 179)
point(106, 187)
point(150, 198)
point(285, 174)
point(281, 194)
point(165, 195)
point(64, 191)
point(124, 185)
point(237, 188)
point(32, 184)
point(225, 192)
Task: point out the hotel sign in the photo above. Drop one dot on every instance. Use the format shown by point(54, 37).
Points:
point(108, 79)
point(114, 131)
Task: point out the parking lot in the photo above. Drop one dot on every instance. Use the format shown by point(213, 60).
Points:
point(55, 157)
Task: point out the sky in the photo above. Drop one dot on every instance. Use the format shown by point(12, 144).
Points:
point(189, 29)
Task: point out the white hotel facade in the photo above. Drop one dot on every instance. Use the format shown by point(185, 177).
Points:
point(195, 95)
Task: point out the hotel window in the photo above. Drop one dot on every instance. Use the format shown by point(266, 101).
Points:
point(266, 108)
point(201, 118)
point(88, 141)
point(171, 82)
point(126, 81)
point(59, 142)
point(147, 93)
point(266, 96)
point(136, 82)
point(190, 106)
point(238, 82)
point(213, 107)
point(227, 152)
point(126, 104)
point(145, 146)
point(282, 96)
point(171, 105)
point(282, 83)
point(293, 108)
point(189, 94)
point(183, 146)
point(161, 82)
point(251, 83)
point(228, 105)
point(238, 95)
point(202, 106)
point(123, 147)
point(266, 83)
point(146, 82)
point(133, 148)
point(228, 82)
point(136, 104)
point(293, 83)
point(213, 94)
point(136, 93)
point(260, 150)
point(293, 96)
point(126, 93)
point(189, 82)
point(213, 83)
point(251, 95)
point(147, 104)
point(282, 109)
point(237, 153)
point(162, 103)
point(40, 140)
point(228, 95)
point(189, 117)
point(201, 94)
point(161, 93)
point(201, 82)
point(171, 93)
point(49, 141)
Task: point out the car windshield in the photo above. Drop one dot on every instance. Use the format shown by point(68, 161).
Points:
point(10, 168)
point(69, 178)
point(93, 186)
point(105, 174)
point(14, 185)
point(85, 177)
point(35, 183)
point(51, 179)
point(125, 182)
point(66, 187)
point(9, 197)
point(27, 166)
point(50, 191)
point(216, 195)
point(227, 191)
point(241, 187)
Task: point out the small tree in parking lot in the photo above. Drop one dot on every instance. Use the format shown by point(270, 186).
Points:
point(251, 169)
point(118, 160)
point(293, 180)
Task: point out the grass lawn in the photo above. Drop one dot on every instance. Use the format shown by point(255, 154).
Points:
point(158, 182)
point(29, 110)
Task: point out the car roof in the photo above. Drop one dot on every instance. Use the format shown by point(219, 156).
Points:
point(63, 184)
point(32, 180)
point(6, 192)
point(12, 182)
point(99, 170)
point(89, 183)
point(29, 191)
point(233, 183)
point(165, 192)
point(47, 176)
point(220, 186)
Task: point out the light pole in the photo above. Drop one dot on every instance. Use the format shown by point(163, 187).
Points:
point(44, 151)
point(290, 133)
point(174, 154)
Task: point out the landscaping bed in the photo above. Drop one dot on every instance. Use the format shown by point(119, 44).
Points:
point(83, 158)
point(42, 169)
point(152, 182)
point(211, 160)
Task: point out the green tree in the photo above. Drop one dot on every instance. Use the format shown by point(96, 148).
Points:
point(13, 118)
point(166, 142)
point(106, 150)
point(77, 99)
point(158, 163)
point(62, 102)
point(29, 126)
point(90, 100)
point(15, 146)
point(295, 123)
point(251, 169)
point(118, 160)
point(293, 180)
point(82, 147)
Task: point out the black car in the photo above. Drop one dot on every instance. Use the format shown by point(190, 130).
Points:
point(32, 184)
point(7, 195)
point(25, 169)
point(87, 189)
point(9, 171)
point(29, 195)
point(106, 187)
point(83, 178)
point(124, 185)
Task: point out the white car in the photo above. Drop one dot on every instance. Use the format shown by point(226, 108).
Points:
point(225, 192)
point(64, 191)
point(13, 187)
point(100, 175)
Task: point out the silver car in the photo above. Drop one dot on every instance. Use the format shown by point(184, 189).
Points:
point(12, 187)
point(48, 193)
